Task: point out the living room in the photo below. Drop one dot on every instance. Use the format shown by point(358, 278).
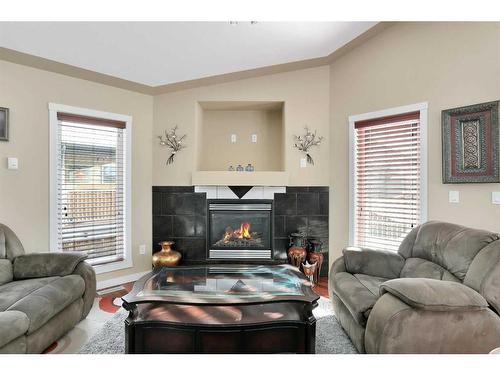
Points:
point(311, 187)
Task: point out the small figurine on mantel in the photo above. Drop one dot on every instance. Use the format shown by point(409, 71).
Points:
point(249, 168)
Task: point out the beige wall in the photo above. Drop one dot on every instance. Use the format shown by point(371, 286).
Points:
point(446, 64)
point(24, 194)
point(217, 152)
point(306, 96)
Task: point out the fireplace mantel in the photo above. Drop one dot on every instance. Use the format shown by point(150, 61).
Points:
point(225, 192)
point(257, 178)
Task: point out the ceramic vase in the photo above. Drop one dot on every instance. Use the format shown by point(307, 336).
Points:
point(166, 257)
point(297, 253)
point(316, 256)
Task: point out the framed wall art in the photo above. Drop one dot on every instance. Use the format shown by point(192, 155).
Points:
point(4, 124)
point(470, 144)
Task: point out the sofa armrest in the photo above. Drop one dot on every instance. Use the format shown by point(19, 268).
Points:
point(337, 266)
point(46, 264)
point(395, 327)
point(378, 263)
point(435, 295)
point(12, 325)
point(87, 273)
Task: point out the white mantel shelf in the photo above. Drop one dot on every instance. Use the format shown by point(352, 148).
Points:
point(257, 178)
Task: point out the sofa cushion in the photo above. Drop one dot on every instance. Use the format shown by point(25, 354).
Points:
point(484, 274)
point(12, 292)
point(406, 246)
point(43, 303)
point(372, 283)
point(451, 246)
point(358, 292)
point(12, 325)
point(5, 271)
point(417, 267)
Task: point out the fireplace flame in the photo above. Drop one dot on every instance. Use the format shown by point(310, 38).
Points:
point(228, 234)
point(242, 232)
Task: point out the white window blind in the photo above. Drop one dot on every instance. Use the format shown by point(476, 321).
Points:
point(91, 187)
point(387, 180)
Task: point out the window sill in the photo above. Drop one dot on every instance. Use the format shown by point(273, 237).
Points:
point(113, 266)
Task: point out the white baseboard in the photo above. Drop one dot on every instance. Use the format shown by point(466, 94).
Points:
point(120, 280)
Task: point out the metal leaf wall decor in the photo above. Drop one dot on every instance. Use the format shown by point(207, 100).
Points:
point(173, 142)
point(305, 142)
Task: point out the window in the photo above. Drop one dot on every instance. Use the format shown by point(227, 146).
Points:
point(388, 169)
point(90, 206)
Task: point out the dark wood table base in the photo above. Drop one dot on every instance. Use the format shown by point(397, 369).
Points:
point(276, 327)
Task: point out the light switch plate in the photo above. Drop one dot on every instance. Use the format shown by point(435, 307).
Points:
point(233, 138)
point(303, 162)
point(495, 197)
point(142, 249)
point(254, 138)
point(12, 163)
point(454, 196)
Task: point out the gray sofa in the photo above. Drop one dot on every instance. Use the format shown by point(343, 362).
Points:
point(42, 295)
point(440, 293)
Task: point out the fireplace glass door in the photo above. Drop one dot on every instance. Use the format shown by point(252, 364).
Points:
point(239, 230)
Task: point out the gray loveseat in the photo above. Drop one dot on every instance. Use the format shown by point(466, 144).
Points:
point(440, 293)
point(42, 295)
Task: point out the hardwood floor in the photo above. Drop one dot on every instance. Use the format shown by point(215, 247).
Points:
point(116, 294)
point(322, 287)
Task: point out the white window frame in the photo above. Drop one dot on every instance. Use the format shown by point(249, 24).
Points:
point(53, 124)
point(422, 108)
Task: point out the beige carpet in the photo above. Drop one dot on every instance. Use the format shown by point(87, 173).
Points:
point(330, 337)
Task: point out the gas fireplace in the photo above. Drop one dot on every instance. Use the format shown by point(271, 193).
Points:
point(239, 230)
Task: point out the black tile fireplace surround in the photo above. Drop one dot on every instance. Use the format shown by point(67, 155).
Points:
point(180, 214)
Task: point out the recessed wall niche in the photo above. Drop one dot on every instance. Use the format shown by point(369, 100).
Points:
point(217, 121)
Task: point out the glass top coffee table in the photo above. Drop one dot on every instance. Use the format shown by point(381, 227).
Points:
point(221, 309)
point(222, 285)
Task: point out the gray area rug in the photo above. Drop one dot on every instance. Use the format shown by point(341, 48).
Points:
point(330, 337)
